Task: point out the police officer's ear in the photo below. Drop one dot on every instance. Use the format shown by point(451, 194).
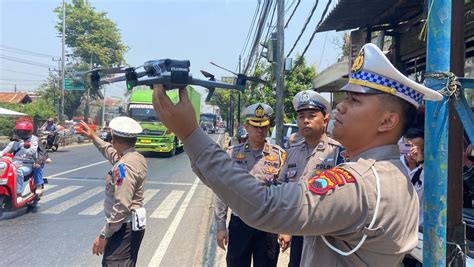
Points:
point(389, 121)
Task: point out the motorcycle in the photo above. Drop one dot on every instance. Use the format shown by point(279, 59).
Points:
point(50, 140)
point(9, 200)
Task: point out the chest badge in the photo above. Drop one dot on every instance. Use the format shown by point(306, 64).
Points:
point(240, 156)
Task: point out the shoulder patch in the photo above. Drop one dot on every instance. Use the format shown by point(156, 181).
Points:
point(329, 179)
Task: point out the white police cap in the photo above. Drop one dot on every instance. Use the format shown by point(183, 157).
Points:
point(372, 73)
point(125, 127)
point(309, 99)
point(258, 114)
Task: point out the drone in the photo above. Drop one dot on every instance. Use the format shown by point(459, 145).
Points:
point(169, 72)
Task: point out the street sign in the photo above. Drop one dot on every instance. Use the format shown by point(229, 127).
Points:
point(71, 84)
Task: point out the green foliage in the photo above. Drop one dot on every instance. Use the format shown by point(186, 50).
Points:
point(91, 34)
point(299, 79)
point(93, 38)
point(8, 123)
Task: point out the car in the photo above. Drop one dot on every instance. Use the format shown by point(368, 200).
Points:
point(288, 129)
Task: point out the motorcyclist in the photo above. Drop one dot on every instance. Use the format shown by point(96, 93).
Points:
point(52, 129)
point(25, 152)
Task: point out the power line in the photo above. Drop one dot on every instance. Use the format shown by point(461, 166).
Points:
point(247, 39)
point(22, 80)
point(316, 29)
point(304, 27)
point(23, 51)
point(258, 35)
point(292, 13)
point(289, 6)
point(27, 73)
point(28, 62)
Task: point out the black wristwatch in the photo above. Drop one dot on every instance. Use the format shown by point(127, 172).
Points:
point(103, 236)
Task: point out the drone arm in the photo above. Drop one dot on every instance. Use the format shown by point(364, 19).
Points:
point(212, 84)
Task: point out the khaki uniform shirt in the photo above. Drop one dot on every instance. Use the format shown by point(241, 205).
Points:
point(264, 166)
point(122, 196)
point(340, 211)
point(303, 162)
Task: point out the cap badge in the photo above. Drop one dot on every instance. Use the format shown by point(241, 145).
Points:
point(358, 62)
point(259, 111)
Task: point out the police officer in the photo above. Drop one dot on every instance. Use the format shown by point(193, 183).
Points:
point(361, 213)
point(120, 238)
point(311, 155)
point(263, 161)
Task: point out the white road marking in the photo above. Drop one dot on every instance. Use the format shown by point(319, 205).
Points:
point(167, 206)
point(99, 206)
point(76, 169)
point(74, 201)
point(165, 242)
point(59, 193)
point(102, 181)
point(149, 194)
point(48, 186)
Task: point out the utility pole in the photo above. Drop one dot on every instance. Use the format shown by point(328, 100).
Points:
point(438, 55)
point(57, 108)
point(456, 228)
point(103, 110)
point(279, 74)
point(87, 105)
point(61, 115)
point(238, 100)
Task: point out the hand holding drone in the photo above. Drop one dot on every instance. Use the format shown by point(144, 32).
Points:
point(169, 72)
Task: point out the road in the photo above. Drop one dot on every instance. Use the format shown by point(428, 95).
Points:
point(61, 230)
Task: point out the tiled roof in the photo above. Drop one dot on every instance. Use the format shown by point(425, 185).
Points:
point(14, 97)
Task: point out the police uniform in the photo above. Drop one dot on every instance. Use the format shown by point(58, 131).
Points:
point(245, 241)
point(361, 213)
point(123, 197)
point(304, 162)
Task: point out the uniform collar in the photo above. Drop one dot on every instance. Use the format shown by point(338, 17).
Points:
point(323, 143)
point(379, 153)
point(266, 148)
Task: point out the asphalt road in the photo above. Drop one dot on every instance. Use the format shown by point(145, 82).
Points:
point(61, 230)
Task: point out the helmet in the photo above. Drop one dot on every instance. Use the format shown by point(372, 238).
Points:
point(24, 125)
point(24, 129)
point(50, 120)
point(242, 133)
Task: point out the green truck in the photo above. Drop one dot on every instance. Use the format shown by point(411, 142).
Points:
point(155, 136)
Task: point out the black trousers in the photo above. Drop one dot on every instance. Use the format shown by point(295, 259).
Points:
point(296, 250)
point(246, 243)
point(122, 248)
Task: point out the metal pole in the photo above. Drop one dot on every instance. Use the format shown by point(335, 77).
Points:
point(103, 110)
point(238, 99)
point(61, 115)
point(456, 228)
point(279, 71)
point(436, 136)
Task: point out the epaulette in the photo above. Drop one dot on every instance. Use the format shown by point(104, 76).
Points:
point(334, 142)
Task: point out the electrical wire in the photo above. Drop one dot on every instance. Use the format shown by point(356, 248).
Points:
point(304, 27)
point(316, 29)
point(247, 39)
point(24, 61)
point(258, 35)
point(292, 13)
point(27, 73)
point(23, 51)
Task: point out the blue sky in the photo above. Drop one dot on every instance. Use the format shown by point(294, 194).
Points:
point(198, 30)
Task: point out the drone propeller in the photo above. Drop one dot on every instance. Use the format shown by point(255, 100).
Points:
point(211, 89)
point(241, 78)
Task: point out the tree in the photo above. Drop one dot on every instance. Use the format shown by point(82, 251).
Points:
point(94, 40)
point(91, 35)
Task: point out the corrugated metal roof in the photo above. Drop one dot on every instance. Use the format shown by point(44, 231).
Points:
point(351, 14)
point(6, 97)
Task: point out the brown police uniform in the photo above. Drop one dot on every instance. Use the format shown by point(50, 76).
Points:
point(338, 204)
point(245, 241)
point(302, 163)
point(122, 195)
